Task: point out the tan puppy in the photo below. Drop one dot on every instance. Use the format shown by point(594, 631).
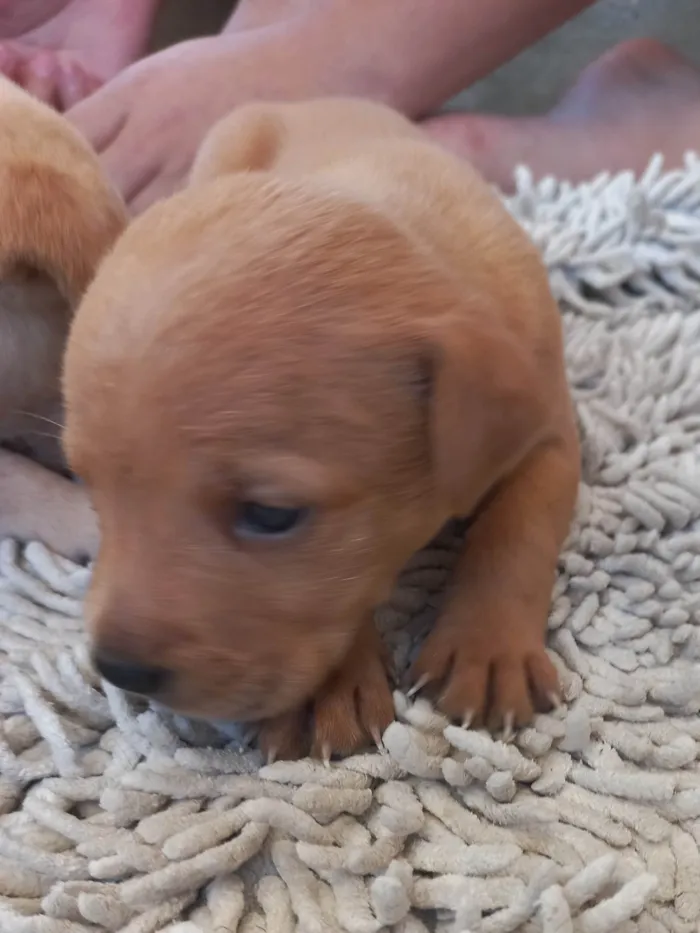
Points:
point(58, 216)
point(282, 383)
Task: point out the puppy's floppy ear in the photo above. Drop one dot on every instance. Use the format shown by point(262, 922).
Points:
point(58, 216)
point(487, 408)
point(247, 140)
point(55, 224)
point(59, 213)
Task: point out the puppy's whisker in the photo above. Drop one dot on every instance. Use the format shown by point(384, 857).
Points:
point(34, 433)
point(45, 418)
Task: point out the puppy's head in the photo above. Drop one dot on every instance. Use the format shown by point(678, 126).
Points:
point(274, 399)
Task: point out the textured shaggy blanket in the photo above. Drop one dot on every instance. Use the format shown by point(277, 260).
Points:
point(118, 818)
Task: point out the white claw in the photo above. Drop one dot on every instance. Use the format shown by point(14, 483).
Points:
point(556, 701)
point(377, 738)
point(272, 756)
point(468, 718)
point(508, 730)
point(326, 756)
point(418, 686)
point(247, 739)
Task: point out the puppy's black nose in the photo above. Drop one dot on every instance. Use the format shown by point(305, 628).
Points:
point(130, 675)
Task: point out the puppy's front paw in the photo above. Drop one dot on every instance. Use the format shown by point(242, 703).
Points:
point(349, 712)
point(284, 737)
point(487, 678)
point(353, 708)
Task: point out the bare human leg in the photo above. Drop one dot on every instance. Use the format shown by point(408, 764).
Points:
point(638, 99)
point(148, 123)
point(63, 50)
point(39, 505)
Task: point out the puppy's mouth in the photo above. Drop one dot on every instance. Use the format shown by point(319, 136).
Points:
point(176, 691)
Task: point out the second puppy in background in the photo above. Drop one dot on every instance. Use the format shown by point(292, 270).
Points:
point(59, 216)
point(281, 384)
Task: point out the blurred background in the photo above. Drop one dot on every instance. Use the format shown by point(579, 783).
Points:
point(533, 81)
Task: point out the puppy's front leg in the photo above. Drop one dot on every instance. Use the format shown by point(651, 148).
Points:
point(486, 657)
point(36, 504)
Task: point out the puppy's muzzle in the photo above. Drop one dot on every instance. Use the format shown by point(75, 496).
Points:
point(132, 676)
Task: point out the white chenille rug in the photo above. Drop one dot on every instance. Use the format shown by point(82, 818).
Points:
point(114, 818)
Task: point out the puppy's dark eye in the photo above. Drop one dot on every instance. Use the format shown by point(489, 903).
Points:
point(255, 520)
